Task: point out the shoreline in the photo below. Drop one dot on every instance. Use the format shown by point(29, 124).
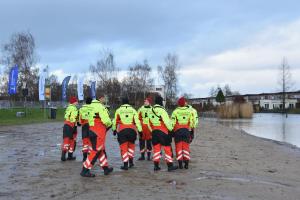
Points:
point(281, 143)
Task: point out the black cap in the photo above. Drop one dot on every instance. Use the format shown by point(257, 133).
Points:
point(88, 100)
point(125, 100)
point(159, 100)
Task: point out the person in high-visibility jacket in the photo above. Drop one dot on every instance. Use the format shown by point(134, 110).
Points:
point(126, 124)
point(145, 138)
point(160, 126)
point(98, 122)
point(195, 121)
point(84, 121)
point(183, 122)
point(69, 130)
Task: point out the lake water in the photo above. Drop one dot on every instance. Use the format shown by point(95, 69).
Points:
point(271, 126)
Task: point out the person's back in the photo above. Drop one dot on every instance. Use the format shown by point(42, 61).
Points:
point(99, 116)
point(182, 117)
point(159, 119)
point(99, 121)
point(160, 125)
point(182, 120)
point(126, 125)
point(69, 130)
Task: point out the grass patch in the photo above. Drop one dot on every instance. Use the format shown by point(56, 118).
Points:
point(33, 115)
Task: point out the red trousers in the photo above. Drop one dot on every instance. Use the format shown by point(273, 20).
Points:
point(69, 138)
point(126, 139)
point(146, 132)
point(161, 140)
point(182, 139)
point(157, 153)
point(182, 150)
point(86, 143)
point(127, 151)
point(97, 136)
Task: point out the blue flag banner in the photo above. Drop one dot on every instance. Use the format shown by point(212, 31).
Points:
point(93, 89)
point(13, 80)
point(64, 87)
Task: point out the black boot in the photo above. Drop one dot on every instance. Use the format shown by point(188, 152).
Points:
point(71, 157)
point(156, 166)
point(186, 164)
point(107, 170)
point(86, 173)
point(180, 164)
point(63, 156)
point(131, 163)
point(125, 167)
point(149, 156)
point(171, 167)
point(84, 156)
point(142, 156)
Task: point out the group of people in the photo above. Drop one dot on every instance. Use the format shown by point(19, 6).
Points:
point(151, 124)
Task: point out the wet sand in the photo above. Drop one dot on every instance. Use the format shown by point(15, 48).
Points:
point(226, 164)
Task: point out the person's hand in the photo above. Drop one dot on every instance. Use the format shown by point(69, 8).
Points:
point(78, 124)
point(115, 133)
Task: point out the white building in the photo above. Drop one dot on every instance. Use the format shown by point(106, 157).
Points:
point(277, 103)
point(266, 101)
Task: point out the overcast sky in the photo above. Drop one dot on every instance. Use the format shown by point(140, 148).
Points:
point(218, 42)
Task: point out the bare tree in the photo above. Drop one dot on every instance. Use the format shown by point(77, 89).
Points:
point(227, 90)
point(106, 74)
point(170, 77)
point(105, 69)
point(214, 91)
point(138, 81)
point(20, 50)
point(284, 81)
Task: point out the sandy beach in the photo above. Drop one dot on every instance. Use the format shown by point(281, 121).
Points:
point(226, 164)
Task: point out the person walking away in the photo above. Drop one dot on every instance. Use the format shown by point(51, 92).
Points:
point(126, 124)
point(182, 121)
point(84, 112)
point(145, 141)
point(160, 125)
point(69, 133)
point(98, 122)
point(102, 100)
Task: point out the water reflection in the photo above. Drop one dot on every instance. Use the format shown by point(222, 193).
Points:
point(271, 126)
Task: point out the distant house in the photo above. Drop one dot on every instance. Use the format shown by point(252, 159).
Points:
point(267, 101)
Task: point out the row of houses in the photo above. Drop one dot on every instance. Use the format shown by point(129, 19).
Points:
point(267, 101)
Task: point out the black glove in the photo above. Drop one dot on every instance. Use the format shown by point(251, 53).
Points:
point(140, 134)
point(115, 133)
point(78, 124)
